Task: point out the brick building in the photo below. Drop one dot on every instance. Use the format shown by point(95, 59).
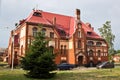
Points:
point(76, 41)
point(3, 55)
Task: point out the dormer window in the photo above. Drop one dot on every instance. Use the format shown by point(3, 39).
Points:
point(62, 33)
point(89, 33)
point(90, 43)
point(37, 14)
point(98, 44)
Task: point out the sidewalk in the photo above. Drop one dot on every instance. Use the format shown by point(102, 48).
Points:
point(84, 68)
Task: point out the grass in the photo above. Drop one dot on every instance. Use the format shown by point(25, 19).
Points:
point(78, 74)
point(101, 74)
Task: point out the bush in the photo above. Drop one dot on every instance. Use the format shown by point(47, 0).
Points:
point(38, 61)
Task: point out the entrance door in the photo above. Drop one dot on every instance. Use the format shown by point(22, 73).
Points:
point(80, 60)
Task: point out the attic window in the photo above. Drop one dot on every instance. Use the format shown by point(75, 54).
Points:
point(98, 43)
point(62, 33)
point(89, 33)
point(90, 43)
point(37, 14)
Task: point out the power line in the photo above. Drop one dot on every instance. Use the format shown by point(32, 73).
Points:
point(6, 28)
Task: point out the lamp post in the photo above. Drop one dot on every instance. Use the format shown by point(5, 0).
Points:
point(12, 66)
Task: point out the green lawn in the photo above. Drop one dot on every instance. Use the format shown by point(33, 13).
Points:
point(87, 74)
point(78, 74)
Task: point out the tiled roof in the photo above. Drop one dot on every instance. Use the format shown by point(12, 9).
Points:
point(65, 24)
point(88, 28)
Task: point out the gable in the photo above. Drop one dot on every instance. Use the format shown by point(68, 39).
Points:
point(64, 25)
point(89, 31)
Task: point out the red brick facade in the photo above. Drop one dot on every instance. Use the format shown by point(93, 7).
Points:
point(76, 41)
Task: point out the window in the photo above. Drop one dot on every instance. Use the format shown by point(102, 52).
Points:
point(90, 52)
point(90, 43)
point(15, 55)
point(79, 43)
point(34, 31)
point(61, 49)
point(99, 52)
point(51, 49)
point(79, 25)
point(62, 32)
point(51, 34)
point(89, 33)
point(79, 35)
point(44, 31)
point(64, 49)
point(98, 44)
point(37, 14)
point(22, 50)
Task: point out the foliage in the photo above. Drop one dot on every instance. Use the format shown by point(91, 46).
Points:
point(118, 51)
point(106, 33)
point(38, 61)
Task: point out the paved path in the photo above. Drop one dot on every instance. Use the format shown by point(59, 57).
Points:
point(84, 68)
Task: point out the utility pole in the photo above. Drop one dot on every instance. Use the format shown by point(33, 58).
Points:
point(12, 66)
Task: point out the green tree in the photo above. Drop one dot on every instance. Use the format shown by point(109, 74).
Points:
point(38, 61)
point(118, 51)
point(106, 33)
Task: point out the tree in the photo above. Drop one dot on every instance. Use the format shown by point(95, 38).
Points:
point(106, 33)
point(38, 61)
point(118, 51)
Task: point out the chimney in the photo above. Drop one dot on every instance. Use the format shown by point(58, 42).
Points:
point(78, 14)
point(54, 21)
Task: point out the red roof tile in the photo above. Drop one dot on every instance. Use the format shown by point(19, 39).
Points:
point(63, 23)
point(87, 28)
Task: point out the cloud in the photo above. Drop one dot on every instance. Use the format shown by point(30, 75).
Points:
point(94, 11)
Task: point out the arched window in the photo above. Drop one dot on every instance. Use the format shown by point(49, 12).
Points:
point(37, 14)
point(98, 44)
point(90, 52)
point(90, 43)
point(64, 49)
point(61, 49)
point(43, 30)
point(34, 31)
point(99, 52)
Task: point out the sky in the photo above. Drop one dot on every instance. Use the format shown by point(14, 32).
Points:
point(96, 12)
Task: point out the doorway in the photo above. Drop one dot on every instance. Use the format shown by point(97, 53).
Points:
point(80, 60)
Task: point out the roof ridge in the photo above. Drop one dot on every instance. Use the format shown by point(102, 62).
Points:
point(58, 14)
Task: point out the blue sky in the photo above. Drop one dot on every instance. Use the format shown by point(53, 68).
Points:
point(96, 12)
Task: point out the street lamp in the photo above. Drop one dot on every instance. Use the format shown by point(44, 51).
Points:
point(12, 50)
